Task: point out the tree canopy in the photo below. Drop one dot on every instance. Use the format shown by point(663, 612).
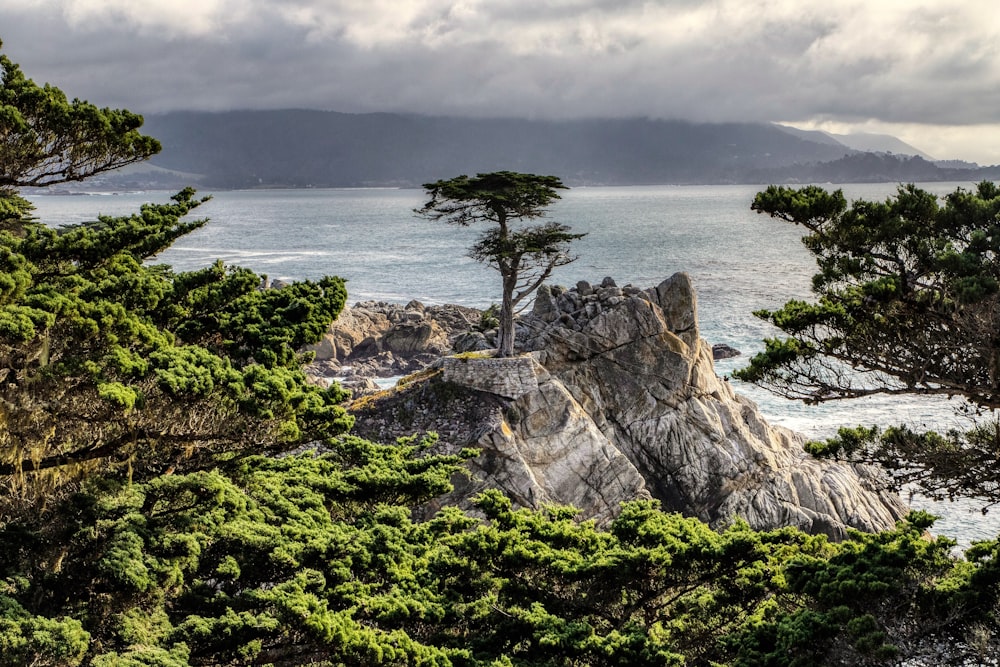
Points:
point(524, 256)
point(103, 355)
point(908, 302)
point(46, 139)
point(315, 560)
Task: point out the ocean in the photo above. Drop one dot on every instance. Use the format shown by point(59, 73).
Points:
point(739, 261)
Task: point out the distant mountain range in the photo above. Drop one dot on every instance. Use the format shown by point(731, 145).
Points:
point(863, 141)
point(303, 148)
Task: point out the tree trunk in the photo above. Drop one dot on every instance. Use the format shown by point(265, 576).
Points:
point(505, 335)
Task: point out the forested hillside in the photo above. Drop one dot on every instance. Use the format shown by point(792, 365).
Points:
point(175, 491)
point(315, 148)
point(301, 148)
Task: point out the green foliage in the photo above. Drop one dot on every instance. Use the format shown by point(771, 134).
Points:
point(655, 589)
point(488, 319)
point(28, 639)
point(525, 257)
point(874, 599)
point(122, 356)
point(91, 373)
point(810, 206)
point(493, 197)
point(46, 139)
point(288, 558)
point(314, 558)
point(908, 302)
point(143, 656)
point(907, 291)
point(945, 465)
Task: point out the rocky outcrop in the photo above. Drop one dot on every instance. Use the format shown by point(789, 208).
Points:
point(378, 339)
point(723, 351)
point(616, 398)
point(536, 442)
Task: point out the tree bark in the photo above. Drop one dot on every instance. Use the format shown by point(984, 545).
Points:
point(505, 336)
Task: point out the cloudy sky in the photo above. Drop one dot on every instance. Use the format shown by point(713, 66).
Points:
point(925, 71)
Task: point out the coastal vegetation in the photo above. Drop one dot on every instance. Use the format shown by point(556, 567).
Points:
point(175, 491)
point(908, 302)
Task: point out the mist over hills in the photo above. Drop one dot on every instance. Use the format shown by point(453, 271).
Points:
point(879, 143)
point(303, 148)
point(863, 142)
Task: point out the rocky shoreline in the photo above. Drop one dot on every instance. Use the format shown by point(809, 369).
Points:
point(377, 339)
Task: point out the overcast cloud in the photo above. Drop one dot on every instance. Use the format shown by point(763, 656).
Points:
point(928, 72)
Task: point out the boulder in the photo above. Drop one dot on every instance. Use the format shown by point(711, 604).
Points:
point(379, 339)
point(411, 338)
point(325, 349)
point(723, 351)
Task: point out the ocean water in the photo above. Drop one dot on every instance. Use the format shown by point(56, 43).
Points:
point(739, 261)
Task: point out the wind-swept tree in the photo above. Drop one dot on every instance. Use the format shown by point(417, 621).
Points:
point(908, 302)
point(107, 361)
point(524, 256)
point(46, 139)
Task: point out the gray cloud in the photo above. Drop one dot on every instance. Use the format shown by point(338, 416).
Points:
point(885, 64)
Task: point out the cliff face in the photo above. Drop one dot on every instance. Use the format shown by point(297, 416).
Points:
point(618, 399)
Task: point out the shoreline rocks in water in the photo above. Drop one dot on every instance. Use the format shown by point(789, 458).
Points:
point(723, 351)
point(616, 398)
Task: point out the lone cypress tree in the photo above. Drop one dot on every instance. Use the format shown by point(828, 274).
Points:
point(526, 256)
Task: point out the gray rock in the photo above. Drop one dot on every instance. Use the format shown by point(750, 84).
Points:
point(723, 351)
point(411, 338)
point(510, 377)
point(470, 341)
point(383, 338)
point(544, 307)
point(676, 297)
point(325, 349)
point(360, 386)
point(277, 283)
point(624, 403)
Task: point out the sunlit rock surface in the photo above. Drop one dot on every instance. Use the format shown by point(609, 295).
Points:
point(615, 399)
